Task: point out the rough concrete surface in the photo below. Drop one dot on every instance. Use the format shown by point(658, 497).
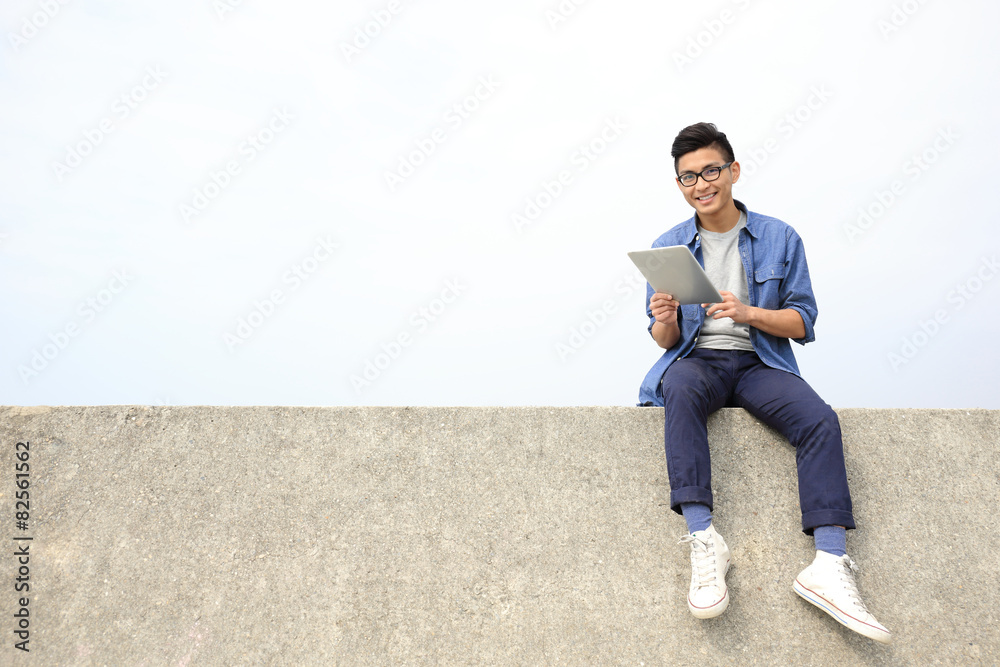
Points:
point(535, 536)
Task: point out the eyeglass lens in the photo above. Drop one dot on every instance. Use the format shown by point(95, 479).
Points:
point(709, 174)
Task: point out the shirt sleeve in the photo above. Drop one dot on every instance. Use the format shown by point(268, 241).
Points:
point(649, 310)
point(796, 288)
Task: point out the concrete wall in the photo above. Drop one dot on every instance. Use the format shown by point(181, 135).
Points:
point(275, 535)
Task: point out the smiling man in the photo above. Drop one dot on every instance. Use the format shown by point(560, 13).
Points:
point(737, 354)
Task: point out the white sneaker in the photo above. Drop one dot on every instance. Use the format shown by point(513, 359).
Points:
point(708, 596)
point(829, 584)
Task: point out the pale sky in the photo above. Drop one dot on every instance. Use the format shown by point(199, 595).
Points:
point(430, 203)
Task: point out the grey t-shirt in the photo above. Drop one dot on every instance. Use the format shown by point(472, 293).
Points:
point(721, 253)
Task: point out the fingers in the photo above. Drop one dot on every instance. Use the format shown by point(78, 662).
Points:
point(663, 307)
point(725, 308)
point(719, 312)
point(663, 300)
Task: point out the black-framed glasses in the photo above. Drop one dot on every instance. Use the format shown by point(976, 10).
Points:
point(708, 174)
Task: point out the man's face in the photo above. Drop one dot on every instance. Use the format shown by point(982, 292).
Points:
point(708, 198)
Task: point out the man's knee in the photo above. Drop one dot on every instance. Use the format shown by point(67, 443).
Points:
point(823, 425)
point(682, 389)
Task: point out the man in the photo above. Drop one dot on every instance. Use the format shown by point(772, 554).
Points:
point(737, 353)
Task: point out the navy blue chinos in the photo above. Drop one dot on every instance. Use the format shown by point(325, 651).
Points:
point(704, 381)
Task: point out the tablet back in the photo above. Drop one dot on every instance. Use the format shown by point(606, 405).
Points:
point(674, 270)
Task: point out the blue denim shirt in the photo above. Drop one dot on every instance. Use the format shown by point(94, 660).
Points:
point(777, 278)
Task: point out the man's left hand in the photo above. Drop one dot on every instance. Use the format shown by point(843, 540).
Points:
point(730, 307)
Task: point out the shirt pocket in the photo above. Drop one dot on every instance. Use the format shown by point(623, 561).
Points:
point(768, 279)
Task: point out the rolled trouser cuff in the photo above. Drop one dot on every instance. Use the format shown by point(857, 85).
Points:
point(690, 494)
point(816, 518)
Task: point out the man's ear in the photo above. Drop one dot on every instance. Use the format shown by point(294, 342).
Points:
point(736, 170)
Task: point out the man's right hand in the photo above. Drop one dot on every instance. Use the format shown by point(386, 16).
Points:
point(664, 308)
point(665, 331)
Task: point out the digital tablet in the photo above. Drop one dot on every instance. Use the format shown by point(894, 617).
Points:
point(674, 270)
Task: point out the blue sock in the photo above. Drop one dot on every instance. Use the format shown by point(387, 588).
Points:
point(698, 516)
point(831, 539)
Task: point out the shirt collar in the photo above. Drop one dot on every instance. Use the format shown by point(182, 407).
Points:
point(751, 225)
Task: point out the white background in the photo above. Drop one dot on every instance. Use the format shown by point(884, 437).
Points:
point(826, 104)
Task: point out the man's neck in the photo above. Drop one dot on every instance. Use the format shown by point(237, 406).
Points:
point(720, 222)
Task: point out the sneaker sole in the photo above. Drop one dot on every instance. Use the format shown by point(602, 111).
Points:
point(841, 617)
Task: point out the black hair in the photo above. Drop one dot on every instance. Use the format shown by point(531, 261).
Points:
point(700, 135)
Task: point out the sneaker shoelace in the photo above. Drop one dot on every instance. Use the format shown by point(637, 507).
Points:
point(702, 561)
point(847, 570)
